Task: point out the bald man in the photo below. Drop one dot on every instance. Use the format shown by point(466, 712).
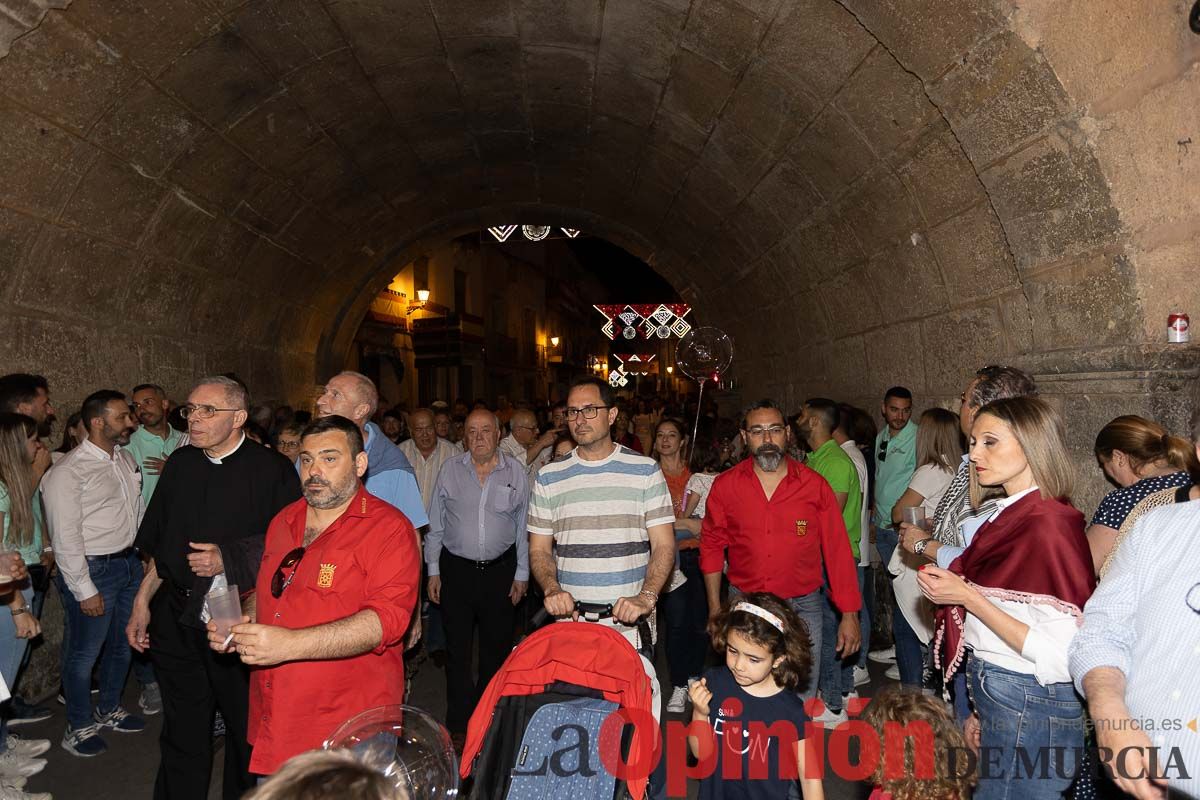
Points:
point(525, 445)
point(426, 451)
point(477, 556)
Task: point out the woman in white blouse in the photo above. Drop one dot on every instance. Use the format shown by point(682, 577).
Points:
point(1015, 598)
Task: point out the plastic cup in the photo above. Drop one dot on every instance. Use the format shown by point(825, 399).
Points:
point(914, 515)
point(225, 606)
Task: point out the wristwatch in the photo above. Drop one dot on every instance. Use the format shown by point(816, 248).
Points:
point(919, 547)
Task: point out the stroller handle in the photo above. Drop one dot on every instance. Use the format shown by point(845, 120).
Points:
point(592, 612)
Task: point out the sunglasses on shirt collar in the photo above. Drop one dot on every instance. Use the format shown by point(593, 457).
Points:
point(290, 560)
point(882, 456)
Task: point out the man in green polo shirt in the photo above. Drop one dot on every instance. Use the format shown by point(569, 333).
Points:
point(826, 457)
point(154, 440)
point(150, 445)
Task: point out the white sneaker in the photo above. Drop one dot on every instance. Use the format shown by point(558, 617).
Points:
point(830, 719)
point(14, 791)
point(893, 673)
point(13, 764)
point(678, 702)
point(887, 656)
point(29, 748)
point(861, 675)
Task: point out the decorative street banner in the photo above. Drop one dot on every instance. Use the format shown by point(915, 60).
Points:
point(645, 321)
point(630, 364)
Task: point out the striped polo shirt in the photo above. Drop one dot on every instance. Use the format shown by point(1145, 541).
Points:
point(598, 513)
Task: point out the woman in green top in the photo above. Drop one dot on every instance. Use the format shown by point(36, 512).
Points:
point(23, 460)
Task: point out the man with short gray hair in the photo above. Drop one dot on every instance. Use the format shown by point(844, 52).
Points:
point(208, 517)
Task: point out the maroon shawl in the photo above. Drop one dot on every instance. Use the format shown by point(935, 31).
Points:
point(1034, 552)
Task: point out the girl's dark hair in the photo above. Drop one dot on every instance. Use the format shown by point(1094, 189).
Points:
point(793, 644)
point(69, 442)
point(858, 424)
point(906, 707)
point(706, 457)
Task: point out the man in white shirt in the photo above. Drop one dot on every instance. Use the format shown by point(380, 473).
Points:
point(427, 452)
point(93, 500)
point(525, 445)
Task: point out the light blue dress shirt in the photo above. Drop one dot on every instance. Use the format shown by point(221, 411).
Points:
point(1144, 620)
point(479, 522)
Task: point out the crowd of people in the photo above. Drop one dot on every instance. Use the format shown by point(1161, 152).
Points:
point(359, 533)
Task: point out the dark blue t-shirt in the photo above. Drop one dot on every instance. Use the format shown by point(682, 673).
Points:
point(731, 703)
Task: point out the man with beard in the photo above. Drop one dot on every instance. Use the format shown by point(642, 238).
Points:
point(207, 518)
point(780, 526)
point(150, 445)
point(93, 500)
point(21, 393)
point(334, 599)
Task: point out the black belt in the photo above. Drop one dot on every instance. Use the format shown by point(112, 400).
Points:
point(509, 553)
point(126, 553)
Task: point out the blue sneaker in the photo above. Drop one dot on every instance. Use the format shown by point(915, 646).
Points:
point(84, 742)
point(119, 720)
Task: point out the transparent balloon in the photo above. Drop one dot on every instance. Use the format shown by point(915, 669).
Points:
point(405, 744)
point(704, 353)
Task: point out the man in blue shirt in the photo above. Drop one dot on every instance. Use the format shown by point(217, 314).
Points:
point(390, 476)
point(477, 555)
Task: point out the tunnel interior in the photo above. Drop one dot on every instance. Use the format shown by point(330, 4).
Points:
point(861, 192)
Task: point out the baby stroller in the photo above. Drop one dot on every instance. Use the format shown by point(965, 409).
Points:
point(535, 733)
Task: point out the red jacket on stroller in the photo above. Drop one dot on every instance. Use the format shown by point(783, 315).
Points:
point(580, 653)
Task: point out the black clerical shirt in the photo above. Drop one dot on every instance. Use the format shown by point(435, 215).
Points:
point(229, 504)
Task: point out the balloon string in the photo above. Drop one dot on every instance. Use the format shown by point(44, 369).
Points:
point(696, 425)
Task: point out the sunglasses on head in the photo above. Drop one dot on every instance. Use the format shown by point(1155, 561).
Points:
point(290, 560)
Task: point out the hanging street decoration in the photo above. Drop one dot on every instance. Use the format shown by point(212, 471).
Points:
point(645, 321)
point(630, 364)
point(534, 233)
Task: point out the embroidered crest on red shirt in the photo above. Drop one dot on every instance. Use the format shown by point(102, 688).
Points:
point(325, 576)
point(801, 527)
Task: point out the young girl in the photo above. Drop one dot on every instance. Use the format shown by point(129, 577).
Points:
point(906, 708)
point(767, 657)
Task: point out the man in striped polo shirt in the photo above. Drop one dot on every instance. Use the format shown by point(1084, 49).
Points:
point(609, 512)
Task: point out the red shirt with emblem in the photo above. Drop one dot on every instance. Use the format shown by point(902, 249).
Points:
point(367, 559)
point(779, 545)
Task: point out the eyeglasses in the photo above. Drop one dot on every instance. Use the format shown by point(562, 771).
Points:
point(284, 444)
point(278, 584)
point(524, 427)
point(882, 450)
point(769, 430)
point(588, 412)
point(202, 412)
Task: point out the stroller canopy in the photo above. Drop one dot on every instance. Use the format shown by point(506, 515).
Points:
point(581, 653)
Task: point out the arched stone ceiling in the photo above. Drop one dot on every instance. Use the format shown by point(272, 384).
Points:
point(862, 191)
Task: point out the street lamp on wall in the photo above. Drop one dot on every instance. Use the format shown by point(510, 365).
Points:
point(554, 341)
point(422, 301)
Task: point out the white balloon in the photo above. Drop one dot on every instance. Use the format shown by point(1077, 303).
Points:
point(405, 744)
point(704, 353)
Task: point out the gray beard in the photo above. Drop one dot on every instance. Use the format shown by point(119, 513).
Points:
point(768, 459)
point(336, 496)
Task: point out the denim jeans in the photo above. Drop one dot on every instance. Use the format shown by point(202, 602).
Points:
point(687, 616)
point(12, 655)
point(837, 674)
point(117, 581)
point(1033, 734)
point(908, 646)
point(866, 588)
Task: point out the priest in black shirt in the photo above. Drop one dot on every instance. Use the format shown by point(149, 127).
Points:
point(208, 516)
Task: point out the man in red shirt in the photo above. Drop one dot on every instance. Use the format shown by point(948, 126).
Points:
point(781, 528)
point(335, 594)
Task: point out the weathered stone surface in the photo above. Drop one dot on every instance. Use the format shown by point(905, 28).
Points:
point(1091, 302)
point(928, 35)
point(771, 106)
point(627, 95)
point(827, 245)
point(819, 43)
point(41, 162)
point(698, 89)
point(908, 281)
point(853, 301)
point(958, 343)
point(235, 82)
point(939, 175)
point(113, 200)
point(885, 104)
point(641, 36)
point(974, 255)
point(723, 32)
point(896, 357)
point(832, 152)
point(1001, 96)
point(1053, 200)
point(146, 128)
point(573, 23)
point(288, 34)
point(150, 35)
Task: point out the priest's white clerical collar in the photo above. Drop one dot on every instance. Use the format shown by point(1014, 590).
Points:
point(227, 455)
